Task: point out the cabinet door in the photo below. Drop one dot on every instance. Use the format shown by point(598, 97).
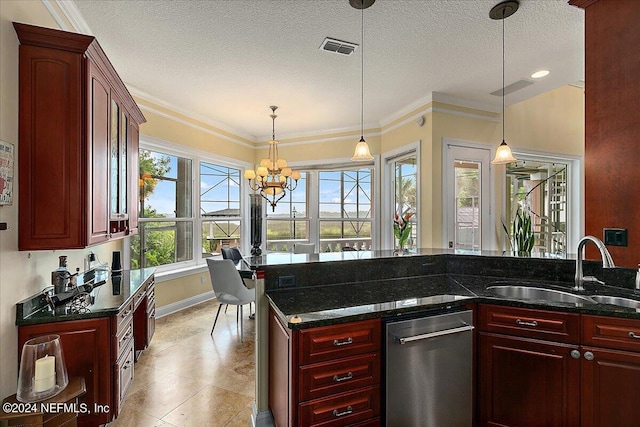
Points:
point(86, 350)
point(51, 150)
point(98, 157)
point(610, 381)
point(528, 383)
point(134, 176)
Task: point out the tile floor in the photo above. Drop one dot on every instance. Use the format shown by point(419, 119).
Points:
point(188, 378)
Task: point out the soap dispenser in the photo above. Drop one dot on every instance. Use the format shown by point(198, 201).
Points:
point(638, 278)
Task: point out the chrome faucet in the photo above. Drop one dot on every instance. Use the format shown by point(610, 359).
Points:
point(607, 262)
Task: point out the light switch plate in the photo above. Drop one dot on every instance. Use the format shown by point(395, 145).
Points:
point(615, 236)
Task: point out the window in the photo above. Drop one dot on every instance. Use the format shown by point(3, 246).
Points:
point(332, 208)
point(290, 221)
point(165, 225)
point(219, 207)
point(345, 207)
point(171, 213)
point(404, 196)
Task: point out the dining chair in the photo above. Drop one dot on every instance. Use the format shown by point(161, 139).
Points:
point(304, 248)
point(232, 254)
point(229, 288)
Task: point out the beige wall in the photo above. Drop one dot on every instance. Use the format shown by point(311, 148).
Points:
point(22, 274)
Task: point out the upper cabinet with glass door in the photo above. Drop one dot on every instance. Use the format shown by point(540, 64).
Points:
point(78, 127)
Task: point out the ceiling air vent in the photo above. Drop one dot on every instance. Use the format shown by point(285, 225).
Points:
point(338, 46)
point(520, 84)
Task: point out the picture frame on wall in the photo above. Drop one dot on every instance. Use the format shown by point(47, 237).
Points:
point(7, 156)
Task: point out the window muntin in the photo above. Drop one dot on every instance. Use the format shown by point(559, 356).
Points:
point(289, 223)
point(345, 208)
point(167, 206)
point(220, 195)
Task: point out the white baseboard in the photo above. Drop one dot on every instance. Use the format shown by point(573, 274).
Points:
point(185, 303)
point(261, 419)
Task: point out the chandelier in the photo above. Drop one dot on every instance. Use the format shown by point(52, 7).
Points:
point(273, 177)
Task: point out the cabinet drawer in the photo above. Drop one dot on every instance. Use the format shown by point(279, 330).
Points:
point(123, 339)
point(124, 318)
point(138, 298)
point(333, 342)
point(326, 378)
point(524, 322)
point(124, 374)
point(342, 409)
point(611, 332)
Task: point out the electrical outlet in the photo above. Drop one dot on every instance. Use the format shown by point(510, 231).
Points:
point(201, 279)
point(615, 236)
point(286, 281)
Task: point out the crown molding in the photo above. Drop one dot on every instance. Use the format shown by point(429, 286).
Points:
point(582, 4)
point(466, 103)
point(346, 129)
point(406, 110)
point(188, 113)
point(465, 114)
point(319, 140)
point(73, 15)
point(195, 126)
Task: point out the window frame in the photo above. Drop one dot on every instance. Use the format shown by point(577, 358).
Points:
point(197, 157)
point(313, 201)
point(388, 193)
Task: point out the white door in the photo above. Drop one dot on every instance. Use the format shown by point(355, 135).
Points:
point(467, 197)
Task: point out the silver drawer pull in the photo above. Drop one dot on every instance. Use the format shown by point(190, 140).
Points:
point(345, 378)
point(342, 414)
point(533, 323)
point(633, 335)
point(339, 343)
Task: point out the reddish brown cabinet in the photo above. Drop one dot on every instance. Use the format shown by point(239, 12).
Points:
point(325, 376)
point(525, 378)
point(66, 126)
point(102, 351)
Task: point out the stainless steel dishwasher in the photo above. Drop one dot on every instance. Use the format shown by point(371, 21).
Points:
point(428, 370)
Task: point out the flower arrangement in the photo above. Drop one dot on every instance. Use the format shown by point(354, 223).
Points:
point(402, 228)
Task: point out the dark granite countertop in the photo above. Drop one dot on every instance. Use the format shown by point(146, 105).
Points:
point(331, 304)
point(110, 294)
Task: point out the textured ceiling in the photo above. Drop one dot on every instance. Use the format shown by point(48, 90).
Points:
point(227, 61)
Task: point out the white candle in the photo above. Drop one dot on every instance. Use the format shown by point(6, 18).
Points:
point(45, 376)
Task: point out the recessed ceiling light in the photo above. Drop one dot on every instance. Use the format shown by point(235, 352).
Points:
point(539, 74)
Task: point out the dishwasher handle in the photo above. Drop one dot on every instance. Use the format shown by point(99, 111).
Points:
point(465, 328)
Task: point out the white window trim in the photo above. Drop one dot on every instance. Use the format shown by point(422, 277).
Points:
point(387, 239)
point(575, 189)
point(185, 268)
point(311, 167)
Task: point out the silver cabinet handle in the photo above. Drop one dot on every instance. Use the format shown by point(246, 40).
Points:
point(342, 414)
point(588, 355)
point(575, 354)
point(633, 335)
point(465, 328)
point(338, 379)
point(533, 323)
point(339, 343)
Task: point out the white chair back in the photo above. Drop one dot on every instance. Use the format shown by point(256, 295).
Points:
point(226, 282)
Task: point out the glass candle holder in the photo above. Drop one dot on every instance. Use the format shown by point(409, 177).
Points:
point(43, 373)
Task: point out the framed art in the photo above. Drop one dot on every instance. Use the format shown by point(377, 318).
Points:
point(7, 155)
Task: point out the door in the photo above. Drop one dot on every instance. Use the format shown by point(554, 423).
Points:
point(610, 381)
point(467, 197)
point(528, 383)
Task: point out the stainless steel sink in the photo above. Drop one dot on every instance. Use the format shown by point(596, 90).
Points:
point(623, 302)
point(539, 294)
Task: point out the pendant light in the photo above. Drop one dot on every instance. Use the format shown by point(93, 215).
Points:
point(362, 153)
point(502, 11)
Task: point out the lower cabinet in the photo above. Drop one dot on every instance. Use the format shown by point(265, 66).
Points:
point(326, 376)
point(590, 380)
point(526, 382)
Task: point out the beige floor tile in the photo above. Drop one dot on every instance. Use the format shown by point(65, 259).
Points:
point(211, 406)
point(189, 378)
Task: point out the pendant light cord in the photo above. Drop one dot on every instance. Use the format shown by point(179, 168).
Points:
point(503, 18)
point(362, 75)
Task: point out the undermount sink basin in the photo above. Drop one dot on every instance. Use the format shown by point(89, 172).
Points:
point(623, 302)
point(533, 293)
